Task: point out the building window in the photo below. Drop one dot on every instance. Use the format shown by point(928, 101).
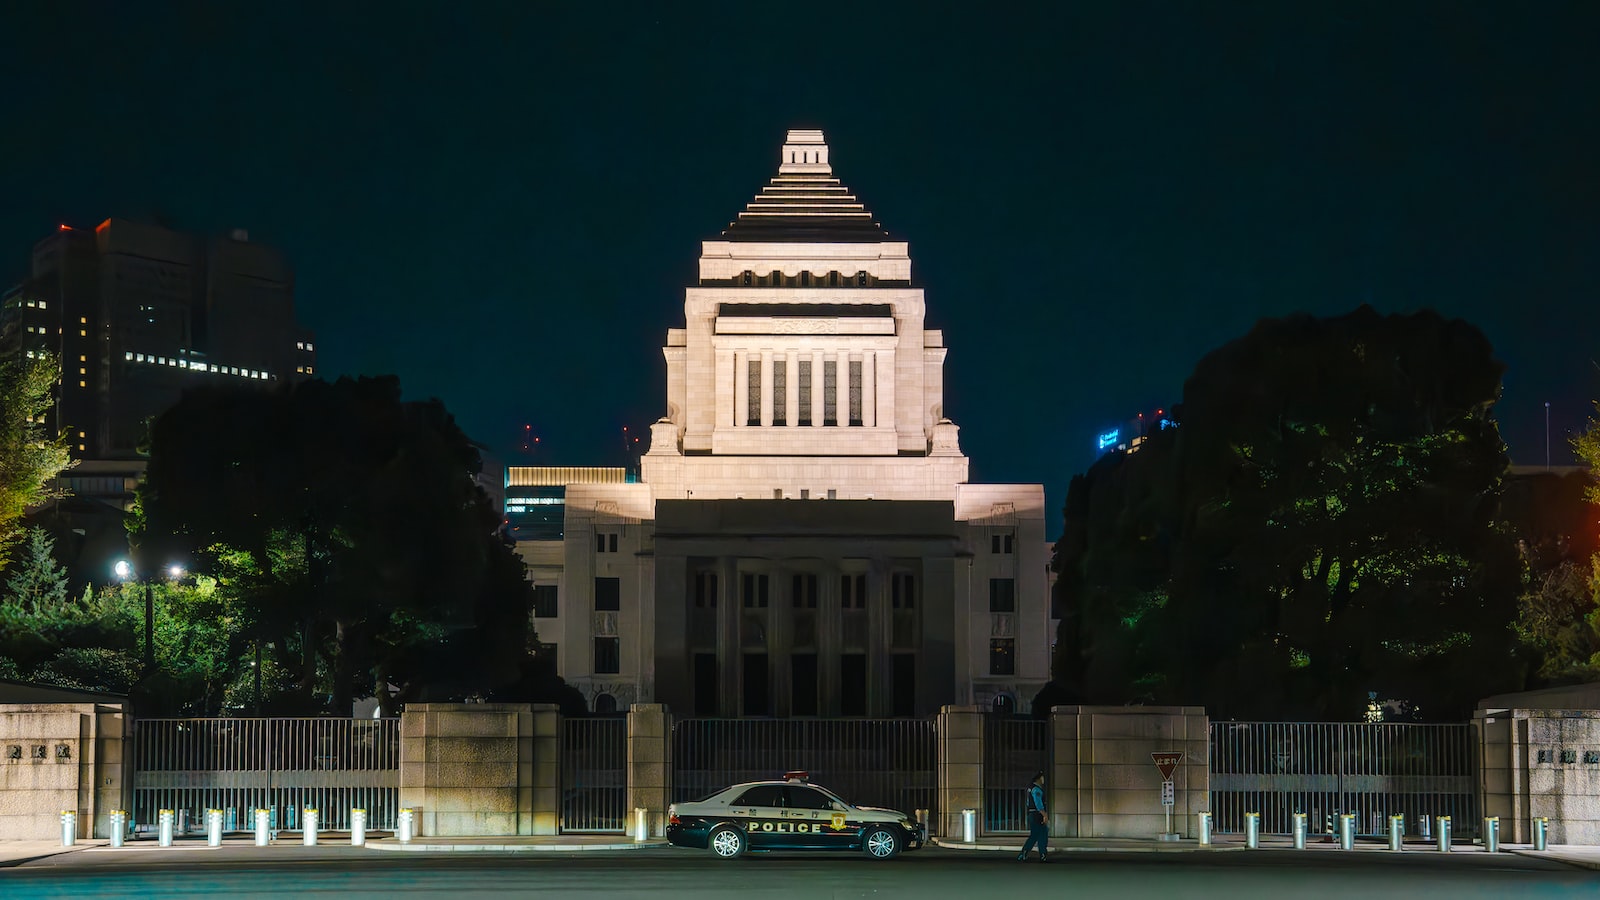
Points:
point(706, 684)
point(705, 590)
point(853, 671)
point(805, 278)
point(1003, 656)
point(756, 695)
point(803, 691)
point(605, 705)
point(853, 591)
point(753, 410)
point(1002, 595)
point(903, 590)
point(833, 279)
point(830, 392)
point(605, 542)
point(1000, 543)
point(748, 277)
point(607, 656)
point(855, 392)
point(861, 279)
point(805, 591)
point(754, 591)
point(903, 693)
point(544, 601)
point(803, 414)
point(607, 594)
point(780, 384)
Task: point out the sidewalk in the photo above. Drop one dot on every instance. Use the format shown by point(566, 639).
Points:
point(553, 843)
point(1013, 844)
point(15, 852)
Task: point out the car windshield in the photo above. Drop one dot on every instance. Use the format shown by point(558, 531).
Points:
point(831, 795)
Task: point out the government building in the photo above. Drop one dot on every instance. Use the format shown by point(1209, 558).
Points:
point(801, 538)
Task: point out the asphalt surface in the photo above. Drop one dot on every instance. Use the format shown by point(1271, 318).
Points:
point(928, 873)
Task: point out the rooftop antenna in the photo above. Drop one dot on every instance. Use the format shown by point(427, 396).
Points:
point(1547, 435)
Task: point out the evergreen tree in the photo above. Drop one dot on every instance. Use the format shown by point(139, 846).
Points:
point(38, 584)
point(30, 454)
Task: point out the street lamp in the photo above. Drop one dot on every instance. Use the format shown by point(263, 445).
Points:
point(126, 572)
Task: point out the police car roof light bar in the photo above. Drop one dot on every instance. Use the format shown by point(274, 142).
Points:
point(797, 776)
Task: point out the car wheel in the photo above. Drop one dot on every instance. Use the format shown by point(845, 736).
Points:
point(726, 842)
point(880, 843)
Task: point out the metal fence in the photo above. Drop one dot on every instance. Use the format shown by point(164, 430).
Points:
point(594, 775)
point(868, 762)
point(1324, 769)
point(1014, 750)
point(280, 765)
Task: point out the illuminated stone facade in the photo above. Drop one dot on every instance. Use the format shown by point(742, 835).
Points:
point(803, 539)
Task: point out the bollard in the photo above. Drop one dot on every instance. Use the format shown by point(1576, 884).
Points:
point(1426, 822)
point(969, 826)
point(1491, 834)
point(213, 828)
point(1444, 834)
point(308, 827)
point(1299, 831)
point(1397, 831)
point(182, 824)
point(119, 826)
point(358, 828)
point(1347, 831)
point(641, 824)
point(69, 828)
point(1252, 830)
point(405, 827)
point(164, 828)
point(263, 828)
point(1205, 827)
point(1541, 828)
point(922, 819)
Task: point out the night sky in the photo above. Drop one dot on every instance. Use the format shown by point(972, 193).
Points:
point(502, 202)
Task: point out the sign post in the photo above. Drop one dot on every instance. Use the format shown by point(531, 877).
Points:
point(1167, 763)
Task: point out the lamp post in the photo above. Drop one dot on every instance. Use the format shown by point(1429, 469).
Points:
point(125, 572)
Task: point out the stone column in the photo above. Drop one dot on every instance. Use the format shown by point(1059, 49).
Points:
point(1106, 784)
point(481, 768)
point(869, 389)
point(649, 765)
point(817, 401)
point(766, 389)
point(884, 375)
point(791, 388)
point(723, 384)
point(741, 388)
point(841, 387)
point(960, 767)
point(71, 757)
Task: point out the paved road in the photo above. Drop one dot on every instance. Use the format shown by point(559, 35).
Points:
point(932, 873)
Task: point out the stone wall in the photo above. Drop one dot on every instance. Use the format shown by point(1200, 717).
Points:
point(649, 766)
point(481, 768)
point(1540, 763)
point(1105, 783)
point(56, 757)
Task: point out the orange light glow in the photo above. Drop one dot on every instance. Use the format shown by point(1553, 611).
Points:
point(65, 227)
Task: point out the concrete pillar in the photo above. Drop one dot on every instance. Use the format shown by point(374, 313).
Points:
point(649, 764)
point(884, 377)
point(960, 766)
point(791, 388)
point(481, 768)
point(817, 401)
point(841, 387)
point(71, 759)
point(724, 386)
point(869, 388)
point(1107, 785)
point(1533, 763)
point(766, 389)
point(741, 388)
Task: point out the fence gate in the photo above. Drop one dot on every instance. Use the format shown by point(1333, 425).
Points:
point(594, 776)
point(868, 762)
point(280, 765)
point(1324, 769)
point(1014, 750)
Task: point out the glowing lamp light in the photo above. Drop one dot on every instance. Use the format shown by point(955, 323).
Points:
point(176, 571)
point(123, 568)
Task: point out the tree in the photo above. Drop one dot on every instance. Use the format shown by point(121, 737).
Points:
point(348, 524)
point(38, 584)
point(1324, 523)
point(31, 454)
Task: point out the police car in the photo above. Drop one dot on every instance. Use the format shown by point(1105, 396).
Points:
point(791, 814)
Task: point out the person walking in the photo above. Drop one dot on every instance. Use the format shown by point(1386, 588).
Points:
point(1038, 822)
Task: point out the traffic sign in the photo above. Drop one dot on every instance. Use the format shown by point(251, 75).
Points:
point(1169, 796)
point(1167, 762)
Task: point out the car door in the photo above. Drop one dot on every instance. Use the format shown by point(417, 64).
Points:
point(760, 811)
point(815, 819)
